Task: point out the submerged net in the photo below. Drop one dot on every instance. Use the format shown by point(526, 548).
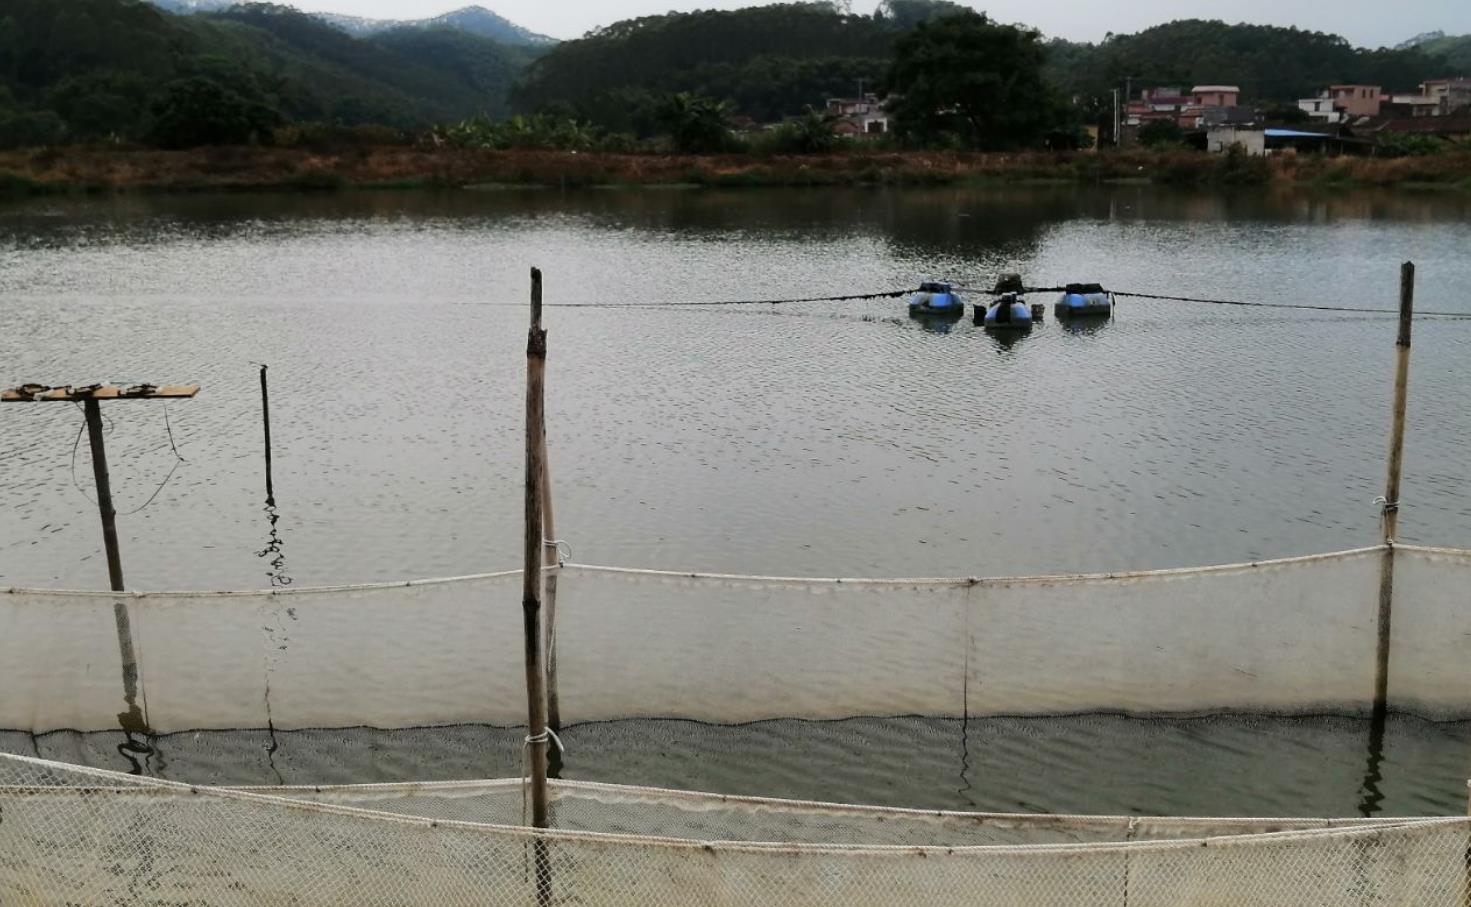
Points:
point(83, 836)
point(1290, 636)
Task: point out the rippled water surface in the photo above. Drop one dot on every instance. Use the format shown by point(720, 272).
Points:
point(809, 439)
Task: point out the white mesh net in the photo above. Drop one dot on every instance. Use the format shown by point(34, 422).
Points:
point(1296, 635)
point(77, 836)
point(1289, 636)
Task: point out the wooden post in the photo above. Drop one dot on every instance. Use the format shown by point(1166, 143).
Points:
point(135, 719)
point(536, 355)
point(552, 561)
point(1390, 521)
point(93, 412)
point(265, 409)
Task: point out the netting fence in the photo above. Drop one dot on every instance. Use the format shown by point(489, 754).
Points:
point(82, 836)
point(1299, 635)
point(1289, 636)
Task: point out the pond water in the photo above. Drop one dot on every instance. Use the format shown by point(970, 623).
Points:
point(811, 439)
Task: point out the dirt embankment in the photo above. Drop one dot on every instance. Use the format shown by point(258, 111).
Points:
point(110, 169)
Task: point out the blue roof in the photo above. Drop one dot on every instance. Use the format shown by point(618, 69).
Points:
point(1294, 134)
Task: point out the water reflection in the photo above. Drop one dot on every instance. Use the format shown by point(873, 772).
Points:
point(1084, 327)
point(274, 552)
point(1371, 794)
point(936, 324)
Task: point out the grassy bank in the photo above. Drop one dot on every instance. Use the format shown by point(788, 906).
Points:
point(117, 170)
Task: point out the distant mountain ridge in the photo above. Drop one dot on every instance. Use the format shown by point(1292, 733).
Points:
point(475, 20)
point(1456, 49)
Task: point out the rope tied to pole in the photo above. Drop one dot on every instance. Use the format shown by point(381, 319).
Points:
point(563, 549)
point(547, 735)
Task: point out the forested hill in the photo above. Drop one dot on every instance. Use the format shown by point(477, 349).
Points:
point(768, 61)
point(1455, 48)
point(95, 69)
point(1268, 63)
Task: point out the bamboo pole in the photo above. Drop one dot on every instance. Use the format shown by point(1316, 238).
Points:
point(536, 741)
point(133, 720)
point(265, 409)
point(1390, 522)
point(93, 411)
point(552, 561)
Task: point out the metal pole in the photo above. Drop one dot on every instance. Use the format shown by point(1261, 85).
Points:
point(537, 740)
point(265, 408)
point(93, 413)
point(1390, 521)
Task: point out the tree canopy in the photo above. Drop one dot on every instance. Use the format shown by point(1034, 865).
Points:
point(963, 77)
point(1267, 62)
point(767, 62)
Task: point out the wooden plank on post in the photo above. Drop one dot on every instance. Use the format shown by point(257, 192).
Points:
point(31, 394)
point(537, 739)
point(1389, 524)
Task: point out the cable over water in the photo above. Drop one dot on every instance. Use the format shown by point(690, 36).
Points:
point(1278, 305)
point(894, 294)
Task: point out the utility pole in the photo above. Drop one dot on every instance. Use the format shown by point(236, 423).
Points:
point(133, 720)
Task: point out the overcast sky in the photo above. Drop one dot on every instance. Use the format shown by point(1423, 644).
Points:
point(1366, 22)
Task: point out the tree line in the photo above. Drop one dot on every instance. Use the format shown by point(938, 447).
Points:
point(122, 71)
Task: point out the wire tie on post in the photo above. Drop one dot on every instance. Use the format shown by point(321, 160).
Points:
point(561, 547)
point(547, 735)
point(1386, 505)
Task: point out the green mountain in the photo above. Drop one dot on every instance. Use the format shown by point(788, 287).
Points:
point(767, 61)
point(1454, 49)
point(1268, 63)
point(91, 69)
point(477, 20)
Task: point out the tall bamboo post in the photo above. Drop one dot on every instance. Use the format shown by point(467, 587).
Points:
point(133, 720)
point(93, 412)
point(265, 409)
point(537, 739)
point(1389, 523)
point(552, 561)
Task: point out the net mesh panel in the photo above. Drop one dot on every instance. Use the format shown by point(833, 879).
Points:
point(620, 809)
point(1296, 635)
point(76, 836)
point(1285, 636)
point(1429, 672)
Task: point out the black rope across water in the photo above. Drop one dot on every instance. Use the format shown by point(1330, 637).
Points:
point(894, 294)
point(851, 297)
point(1278, 305)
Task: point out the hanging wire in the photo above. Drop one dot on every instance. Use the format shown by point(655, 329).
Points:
point(178, 461)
